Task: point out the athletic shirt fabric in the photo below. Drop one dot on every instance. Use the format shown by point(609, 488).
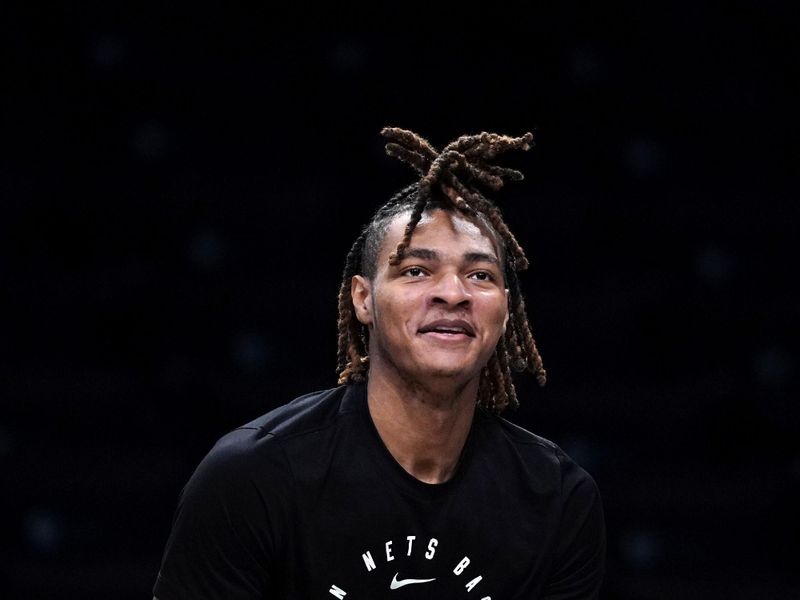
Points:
point(307, 502)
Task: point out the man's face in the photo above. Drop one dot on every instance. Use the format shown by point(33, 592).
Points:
point(440, 312)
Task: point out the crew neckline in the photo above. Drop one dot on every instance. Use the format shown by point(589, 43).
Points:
point(388, 465)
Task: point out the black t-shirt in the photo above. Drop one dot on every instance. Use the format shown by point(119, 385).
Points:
point(307, 502)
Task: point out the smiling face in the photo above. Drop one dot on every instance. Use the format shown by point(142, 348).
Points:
point(440, 312)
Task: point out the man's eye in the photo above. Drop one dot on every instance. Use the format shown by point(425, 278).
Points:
point(482, 276)
point(414, 272)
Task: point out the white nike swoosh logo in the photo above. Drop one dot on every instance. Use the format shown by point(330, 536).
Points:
point(398, 584)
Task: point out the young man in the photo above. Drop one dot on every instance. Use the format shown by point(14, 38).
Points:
point(403, 482)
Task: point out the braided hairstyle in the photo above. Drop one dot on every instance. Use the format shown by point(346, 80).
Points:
point(450, 180)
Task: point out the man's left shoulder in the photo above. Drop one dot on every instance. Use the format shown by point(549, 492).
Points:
point(542, 457)
point(567, 499)
point(523, 440)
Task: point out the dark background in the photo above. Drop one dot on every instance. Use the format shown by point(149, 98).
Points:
point(179, 190)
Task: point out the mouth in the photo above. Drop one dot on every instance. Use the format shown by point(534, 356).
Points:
point(448, 328)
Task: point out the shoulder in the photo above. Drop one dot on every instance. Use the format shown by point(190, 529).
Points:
point(578, 558)
point(543, 459)
point(305, 414)
point(230, 527)
point(519, 435)
point(256, 450)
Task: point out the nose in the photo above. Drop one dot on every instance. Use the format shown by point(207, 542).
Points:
point(450, 290)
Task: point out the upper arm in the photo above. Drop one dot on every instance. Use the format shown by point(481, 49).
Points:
point(579, 561)
point(222, 544)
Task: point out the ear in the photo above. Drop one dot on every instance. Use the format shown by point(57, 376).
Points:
point(361, 293)
point(508, 312)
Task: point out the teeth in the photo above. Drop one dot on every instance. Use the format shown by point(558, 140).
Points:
point(454, 330)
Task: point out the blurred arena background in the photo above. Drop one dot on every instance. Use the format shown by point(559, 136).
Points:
point(179, 190)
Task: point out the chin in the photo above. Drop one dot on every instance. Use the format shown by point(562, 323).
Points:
point(444, 370)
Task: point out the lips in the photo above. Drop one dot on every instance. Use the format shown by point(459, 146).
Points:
point(449, 326)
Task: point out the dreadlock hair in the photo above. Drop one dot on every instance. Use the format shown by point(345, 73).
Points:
point(452, 180)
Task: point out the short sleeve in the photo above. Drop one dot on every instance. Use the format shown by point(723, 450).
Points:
point(222, 543)
point(579, 562)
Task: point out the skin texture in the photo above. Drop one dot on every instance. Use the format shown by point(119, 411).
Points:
point(423, 383)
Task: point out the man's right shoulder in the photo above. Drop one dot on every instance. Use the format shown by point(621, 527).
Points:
point(230, 524)
point(304, 415)
point(256, 450)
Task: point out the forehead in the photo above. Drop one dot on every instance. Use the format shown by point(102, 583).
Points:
point(442, 230)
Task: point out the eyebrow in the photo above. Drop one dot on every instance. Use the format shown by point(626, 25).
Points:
point(469, 257)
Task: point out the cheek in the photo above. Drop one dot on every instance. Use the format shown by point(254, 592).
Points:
point(495, 308)
point(396, 311)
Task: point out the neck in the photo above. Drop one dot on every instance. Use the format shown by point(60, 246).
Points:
point(424, 428)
